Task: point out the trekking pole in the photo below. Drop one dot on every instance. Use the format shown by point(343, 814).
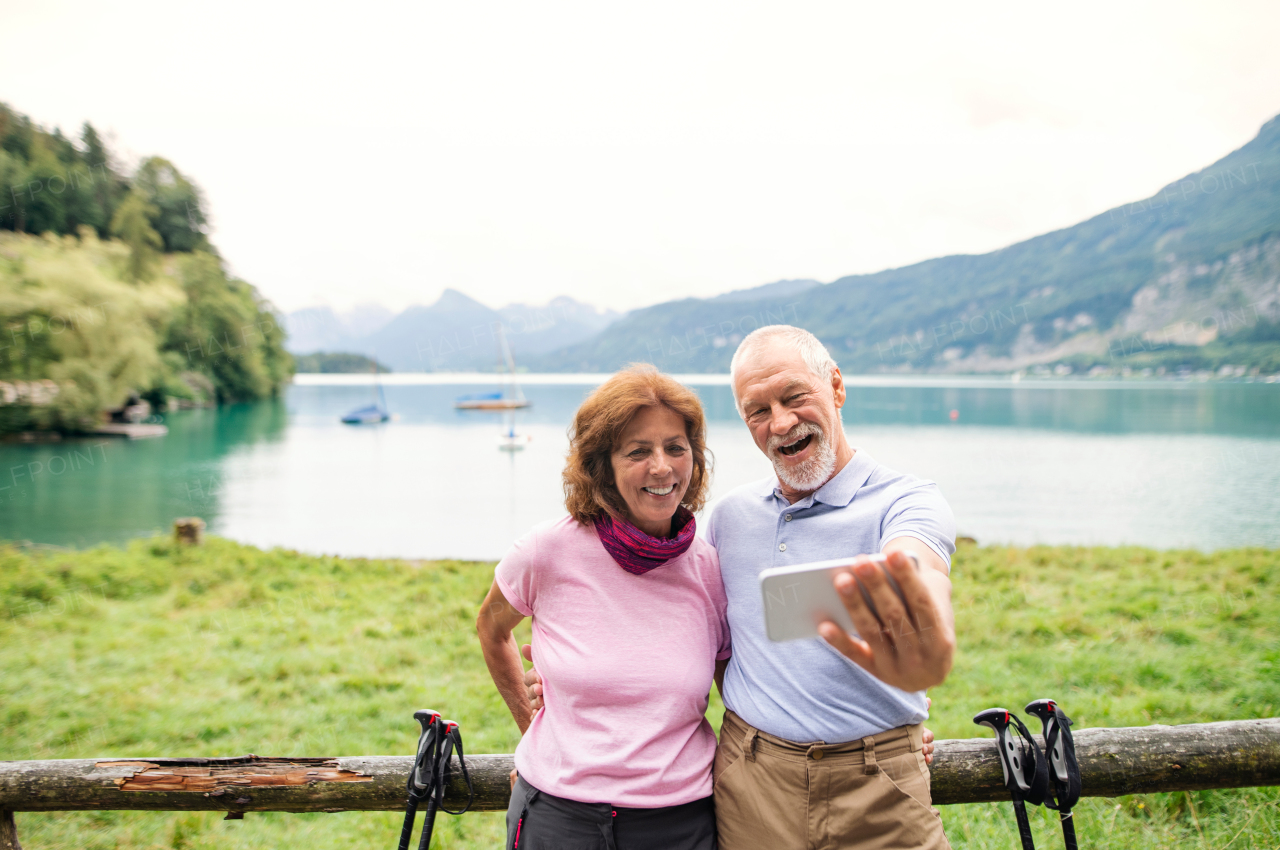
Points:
point(420, 775)
point(430, 774)
point(1024, 771)
point(433, 790)
point(1064, 769)
point(450, 739)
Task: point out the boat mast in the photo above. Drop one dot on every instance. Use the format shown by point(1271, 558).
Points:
point(511, 364)
point(377, 384)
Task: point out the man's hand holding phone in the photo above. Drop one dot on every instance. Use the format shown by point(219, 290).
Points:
point(905, 636)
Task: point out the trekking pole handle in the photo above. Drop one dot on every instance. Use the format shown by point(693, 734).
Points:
point(1047, 711)
point(1051, 720)
point(998, 720)
point(428, 741)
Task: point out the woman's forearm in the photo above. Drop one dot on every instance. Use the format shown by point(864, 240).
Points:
point(494, 625)
point(502, 656)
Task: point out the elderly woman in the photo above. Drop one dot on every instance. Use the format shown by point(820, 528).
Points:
point(629, 631)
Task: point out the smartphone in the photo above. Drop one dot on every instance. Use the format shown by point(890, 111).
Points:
point(797, 599)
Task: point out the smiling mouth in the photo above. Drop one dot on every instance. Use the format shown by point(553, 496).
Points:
point(659, 491)
point(796, 447)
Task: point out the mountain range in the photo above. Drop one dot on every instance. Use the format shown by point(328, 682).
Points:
point(456, 333)
point(1187, 278)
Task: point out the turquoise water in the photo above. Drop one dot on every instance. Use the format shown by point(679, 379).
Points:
point(1159, 464)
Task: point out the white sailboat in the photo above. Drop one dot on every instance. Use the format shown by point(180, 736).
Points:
point(510, 440)
point(509, 398)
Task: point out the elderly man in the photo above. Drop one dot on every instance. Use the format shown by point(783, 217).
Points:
point(820, 746)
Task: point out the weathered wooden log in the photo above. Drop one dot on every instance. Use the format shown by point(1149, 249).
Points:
point(1127, 760)
point(241, 784)
point(1113, 762)
point(8, 831)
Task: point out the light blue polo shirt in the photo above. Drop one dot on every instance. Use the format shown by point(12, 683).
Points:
point(803, 690)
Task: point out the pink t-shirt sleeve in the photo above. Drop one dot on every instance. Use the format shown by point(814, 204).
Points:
point(517, 574)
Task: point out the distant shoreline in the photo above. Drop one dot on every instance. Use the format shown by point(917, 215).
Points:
point(332, 379)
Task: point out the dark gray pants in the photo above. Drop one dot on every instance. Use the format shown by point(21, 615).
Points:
point(541, 821)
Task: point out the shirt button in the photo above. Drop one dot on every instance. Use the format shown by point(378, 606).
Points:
point(782, 547)
point(788, 517)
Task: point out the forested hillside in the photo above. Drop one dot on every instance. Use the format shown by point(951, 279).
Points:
point(337, 363)
point(53, 184)
point(110, 289)
point(1186, 279)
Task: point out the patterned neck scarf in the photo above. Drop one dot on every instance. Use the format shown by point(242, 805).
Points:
point(637, 552)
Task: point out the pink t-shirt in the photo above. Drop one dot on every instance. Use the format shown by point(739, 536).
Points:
point(627, 664)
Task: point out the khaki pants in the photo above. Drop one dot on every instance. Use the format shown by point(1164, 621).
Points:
point(871, 794)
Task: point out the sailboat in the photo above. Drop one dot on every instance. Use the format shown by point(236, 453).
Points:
point(371, 413)
point(509, 398)
point(511, 441)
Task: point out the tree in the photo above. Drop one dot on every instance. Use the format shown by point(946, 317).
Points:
point(179, 219)
point(45, 193)
point(97, 181)
point(16, 132)
point(227, 332)
point(13, 182)
point(95, 150)
point(132, 223)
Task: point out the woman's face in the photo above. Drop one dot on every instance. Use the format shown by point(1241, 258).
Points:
point(651, 468)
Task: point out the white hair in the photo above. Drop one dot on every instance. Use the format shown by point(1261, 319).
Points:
point(810, 348)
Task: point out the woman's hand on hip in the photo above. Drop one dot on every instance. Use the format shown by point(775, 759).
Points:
point(927, 738)
point(532, 680)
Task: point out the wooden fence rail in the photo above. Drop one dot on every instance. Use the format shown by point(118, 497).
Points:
point(1113, 762)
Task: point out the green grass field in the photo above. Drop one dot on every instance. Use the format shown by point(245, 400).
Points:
point(225, 649)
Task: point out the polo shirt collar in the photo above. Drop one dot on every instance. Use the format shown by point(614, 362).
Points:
point(766, 487)
point(840, 490)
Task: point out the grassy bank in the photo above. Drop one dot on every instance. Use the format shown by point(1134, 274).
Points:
point(226, 649)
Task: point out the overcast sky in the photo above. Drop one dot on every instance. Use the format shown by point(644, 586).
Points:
point(629, 154)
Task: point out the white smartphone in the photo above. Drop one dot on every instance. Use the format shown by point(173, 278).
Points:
point(797, 599)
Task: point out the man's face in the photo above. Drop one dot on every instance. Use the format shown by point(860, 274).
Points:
point(793, 416)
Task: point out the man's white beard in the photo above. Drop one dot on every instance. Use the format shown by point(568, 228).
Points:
point(815, 471)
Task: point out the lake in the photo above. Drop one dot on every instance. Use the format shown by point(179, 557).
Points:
point(1163, 464)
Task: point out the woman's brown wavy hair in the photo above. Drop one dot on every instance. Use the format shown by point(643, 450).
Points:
point(589, 488)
